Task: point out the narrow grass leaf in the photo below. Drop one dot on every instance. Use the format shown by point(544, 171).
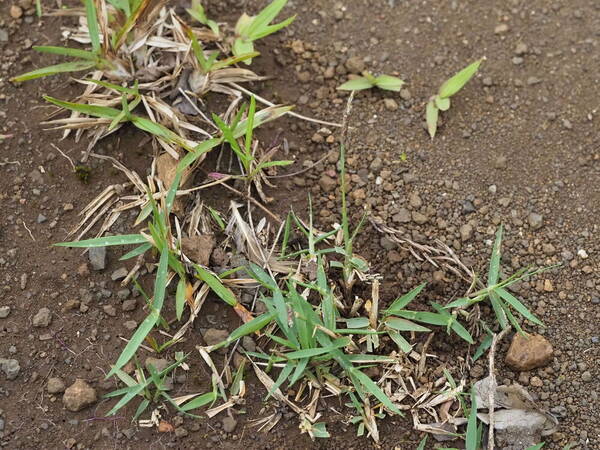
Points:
point(123, 239)
point(462, 332)
point(457, 82)
point(498, 309)
point(66, 51)
point(537, 446)
point(196, 152)
point(443, 104)
point(373, 389)
point(494, 268)
point(357, 84)
point(264, 17)
point(431, 117)
point(180, 298)
point(90, 110)
point(215, 284)
point(256, 324)
point(399, 324)
point(150, 321)
point(424, 316)
point(401, 302)
point(73, 66)
point(422, 443)
point(200, 401)
point(136, 251)
point(92, 22)
point(485, 344)
point(518, 306)
point(471, 442)
point(389, 83)
point(400, 341)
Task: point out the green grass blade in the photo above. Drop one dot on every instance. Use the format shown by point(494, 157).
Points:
point(498, 310)
point(133, 391)
point(471, 441)
point(357, 84)
point(424, 316)
point(141, 408)
point(374, 390)
point(431, 117)
point(422, 443)
point(136, 251)
point(399, 324)
point(261, 117)
point(494, 269)
point(250, 128)
point(264, 17)
point(270, 29)
point(537, 446)
point(283, 375)
point(400, 341)
point(196, 152)
point(389, 83)
point(462, 332)
point(66, 51)
point(200, 401)
point(115, 87)
point(457, 82)
point(147, 325)
point(124, 239)
point(245, 329)
point(90, 110)
point(224, 293)
point(485, 344)
point(518, 306)
point(180, 298)
point(312, 352)
point(73, 66)
point(92, 22)
point(401, 302)
point(234, 60)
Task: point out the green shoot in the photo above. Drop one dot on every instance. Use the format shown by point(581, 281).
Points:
point(441, 101)
point(502, 301)
point(472, 437)
point(197, 12)
point(251, 28)
point(368, 81)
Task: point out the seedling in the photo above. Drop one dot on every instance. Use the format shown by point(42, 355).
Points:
point(153, 388)
point(368, 81)
point(197, 12)
point(251, 28)
point(503, 302)
point(441, 101)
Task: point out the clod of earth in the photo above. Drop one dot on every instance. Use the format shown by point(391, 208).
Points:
point(529, 352)
point(157, 363)
point(43, 318)
point(199, 248)
point(79, 395)
point(55, 385)
point(212, 336)
point(4, 312)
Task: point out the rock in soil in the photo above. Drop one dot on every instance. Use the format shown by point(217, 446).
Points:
point(10, 367)
point(79, 396)
point(55, 385)
point(97, 256)
point(528, 352)
point(43, 318)
point(4, 312)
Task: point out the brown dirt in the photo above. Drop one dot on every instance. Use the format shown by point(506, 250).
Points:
point(528, 126)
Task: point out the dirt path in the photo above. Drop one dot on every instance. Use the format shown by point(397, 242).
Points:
point(520, 146)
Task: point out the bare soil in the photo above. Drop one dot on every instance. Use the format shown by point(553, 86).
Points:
point(521, 138)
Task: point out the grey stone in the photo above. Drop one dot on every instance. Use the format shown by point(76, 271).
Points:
point(41, 218)
point(535, 220)
point(97, 257)
point(129, 305)
point(109, 310)
point(3, 35)
point(119, 274)
point(130, 325)
point(43, 318)
point(4, 312)
point(10, 367)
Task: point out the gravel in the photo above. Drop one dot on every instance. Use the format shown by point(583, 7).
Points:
point(43, 318)
point(97, 257)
